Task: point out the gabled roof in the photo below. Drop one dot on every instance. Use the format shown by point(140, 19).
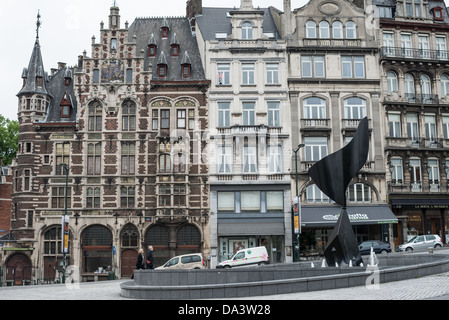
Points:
point(148, 31)
point(218, 20)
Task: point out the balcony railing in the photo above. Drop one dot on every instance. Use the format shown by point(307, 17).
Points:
point(409, 53)
point(332, 43)
point(399, 186)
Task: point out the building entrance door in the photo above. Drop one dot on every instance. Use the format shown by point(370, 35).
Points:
point(128, 262)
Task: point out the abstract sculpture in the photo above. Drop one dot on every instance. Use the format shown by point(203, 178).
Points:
point(332, 176)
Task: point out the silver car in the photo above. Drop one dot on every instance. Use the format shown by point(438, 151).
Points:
point(421, 242)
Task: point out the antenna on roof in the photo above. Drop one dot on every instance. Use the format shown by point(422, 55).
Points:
point(38, 24)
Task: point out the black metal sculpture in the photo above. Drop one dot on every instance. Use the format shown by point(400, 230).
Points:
point(332, 175)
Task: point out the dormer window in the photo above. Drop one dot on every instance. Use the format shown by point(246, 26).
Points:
point(39, 81)
point(65, 106)
point(162, 70)
point(152, 50)
point(438, 13)
point(247, 30)
point(164, 29)
point(186, 70)
point(175, 50)
point(152, 47)
point(67, 77)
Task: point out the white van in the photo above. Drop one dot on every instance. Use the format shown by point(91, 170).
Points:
point(246, 257)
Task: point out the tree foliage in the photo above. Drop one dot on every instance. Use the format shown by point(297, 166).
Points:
point(9, 139)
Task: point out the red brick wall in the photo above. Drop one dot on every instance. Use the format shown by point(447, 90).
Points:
point(5, 205)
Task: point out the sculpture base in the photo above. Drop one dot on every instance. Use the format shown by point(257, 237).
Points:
point(342, 245)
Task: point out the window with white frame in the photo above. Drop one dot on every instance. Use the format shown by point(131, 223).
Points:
point(274, 155)
point(431, 127)
point(351, 32)
point(249, 113)
point(337, 30)
point(224, 73)
point(315, 148)
point(312, 66)
point(355, 108)
point(433, 171)
point(248, 73)
point(397, 170)
point(314, 109)
point(224, 159)
point(444, 79)
point(272, 73)
point(441, 47)
point(249, 159)
point(247, 30)
point(359, 192)
point(324, 30)
point(412, 126)
point(394, 125)
point(224, 114)
point(446, 127)
point(310, 29)
point(392, 82)
point(274, 114)
point(353, 67)
point(315, 195)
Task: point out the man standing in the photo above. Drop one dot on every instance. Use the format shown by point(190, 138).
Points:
point(150, 258)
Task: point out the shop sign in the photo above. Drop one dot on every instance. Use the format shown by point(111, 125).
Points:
point(355, 216)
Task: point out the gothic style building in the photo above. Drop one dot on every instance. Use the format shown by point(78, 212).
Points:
point(128, 122)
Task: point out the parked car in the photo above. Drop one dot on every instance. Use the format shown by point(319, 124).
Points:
point(378, 247)
point(246, 257)
point(186, 261)
point(421, 242)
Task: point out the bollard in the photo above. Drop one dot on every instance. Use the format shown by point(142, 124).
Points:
point(430, 250)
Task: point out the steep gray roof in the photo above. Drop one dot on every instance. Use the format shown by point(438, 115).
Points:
point(218, 20)
point(35, 69)
point(144, 28)
point(58, 90)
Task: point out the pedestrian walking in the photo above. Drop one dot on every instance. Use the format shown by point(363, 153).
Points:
point(140, 263)
point(150, 258)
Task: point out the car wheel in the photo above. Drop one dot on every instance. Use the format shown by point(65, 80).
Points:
point(437, 246)
point(227, 267)
point(409, 249)
point(383, 251)
point(262, 263)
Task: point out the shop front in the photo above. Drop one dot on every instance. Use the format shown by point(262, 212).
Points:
point(420, 216)
point(374, 222)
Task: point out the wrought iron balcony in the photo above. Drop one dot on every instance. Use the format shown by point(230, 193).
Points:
point(413, 54)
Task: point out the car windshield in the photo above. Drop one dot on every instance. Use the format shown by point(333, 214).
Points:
point(412, 239)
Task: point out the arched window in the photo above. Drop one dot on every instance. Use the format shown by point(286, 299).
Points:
point(247, 30)
point(314, 108)
point(130, 236)
point(409, 82)
point(355, 108)
point(392, 82)
point(324, 30)
point(426, 89)
point(311, 29)
point(189, 240)
point(96, 244)
point(157, 236)
point(359, 192)
point(351, 32)
point(337, 30)
point(444, 85)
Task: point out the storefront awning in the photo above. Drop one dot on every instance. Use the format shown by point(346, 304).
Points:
point(316, 216)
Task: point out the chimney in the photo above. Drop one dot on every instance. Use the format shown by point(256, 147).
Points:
point(194, 7)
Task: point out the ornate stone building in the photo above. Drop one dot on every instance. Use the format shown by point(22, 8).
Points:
point(415, 86)
point(129, 123)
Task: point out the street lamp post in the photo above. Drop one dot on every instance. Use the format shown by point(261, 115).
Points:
point(65, 229)
point(296, 202)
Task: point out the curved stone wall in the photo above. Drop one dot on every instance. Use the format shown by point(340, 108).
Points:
point(276, 279)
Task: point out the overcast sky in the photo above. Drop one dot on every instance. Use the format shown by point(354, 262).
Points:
point(67, 30)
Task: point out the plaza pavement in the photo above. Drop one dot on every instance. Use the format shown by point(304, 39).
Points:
point(434, 287)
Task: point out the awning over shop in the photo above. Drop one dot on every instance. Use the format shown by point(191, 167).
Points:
point(316, 216)
point(442, 203)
